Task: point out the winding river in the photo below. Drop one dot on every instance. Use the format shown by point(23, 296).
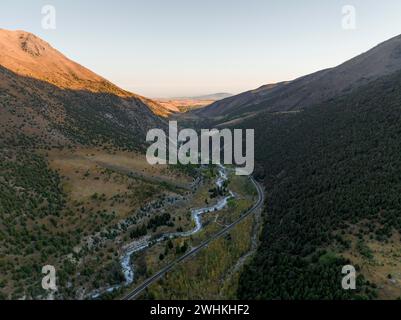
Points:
point(140, 245)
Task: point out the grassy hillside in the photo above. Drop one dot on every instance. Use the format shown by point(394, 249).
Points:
point(333, 180)
point(38, 114)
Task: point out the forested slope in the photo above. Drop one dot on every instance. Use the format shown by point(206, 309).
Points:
point(326, 169)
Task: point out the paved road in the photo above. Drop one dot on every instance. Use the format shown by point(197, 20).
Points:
point(138, 290)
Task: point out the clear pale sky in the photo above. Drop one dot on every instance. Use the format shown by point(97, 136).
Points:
point(167, 48)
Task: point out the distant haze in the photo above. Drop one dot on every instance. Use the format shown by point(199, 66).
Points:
point(190, 48)
point(211, 96)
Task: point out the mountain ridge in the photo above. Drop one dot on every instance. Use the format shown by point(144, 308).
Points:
point(308, 90)
point(43, 91)
point(28, 55)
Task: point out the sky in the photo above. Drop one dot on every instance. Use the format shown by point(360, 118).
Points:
point(174, 48)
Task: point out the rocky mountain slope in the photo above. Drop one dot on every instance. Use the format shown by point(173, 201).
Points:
point(48, 99)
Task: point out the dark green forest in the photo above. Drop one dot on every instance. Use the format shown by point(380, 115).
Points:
point(31, 203)
point(325, 169)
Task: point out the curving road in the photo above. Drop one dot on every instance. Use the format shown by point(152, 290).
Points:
point(138, 290)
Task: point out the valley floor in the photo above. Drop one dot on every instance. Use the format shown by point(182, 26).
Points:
point(109, 199)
